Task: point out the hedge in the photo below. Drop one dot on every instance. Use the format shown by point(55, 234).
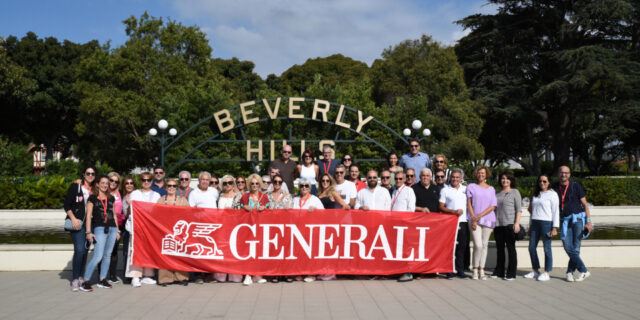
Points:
point(36, 192)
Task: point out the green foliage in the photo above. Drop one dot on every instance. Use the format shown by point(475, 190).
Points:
point(606, 191)
point(45, 193)
point(14, 159)
point(66, 167)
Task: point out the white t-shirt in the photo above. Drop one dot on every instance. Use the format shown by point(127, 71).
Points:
point(378, 199)
point(347, 190)
point(149, 196)
point(546, 207)
point(403, 199)
point(204, 199)
point(455, 199)
point(313, 201)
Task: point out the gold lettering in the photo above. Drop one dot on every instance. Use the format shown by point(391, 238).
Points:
point(361, 122)
point(339, 118)
point(293, 107)
point(317, 109)
point(251, 150)
point(246, 113)
point(223, 116)
point(272, 113)
point(273, 150)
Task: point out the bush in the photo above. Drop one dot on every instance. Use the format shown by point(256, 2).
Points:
point(606, 191)
point(45, 193)
point(14, 159)
point(69, 167)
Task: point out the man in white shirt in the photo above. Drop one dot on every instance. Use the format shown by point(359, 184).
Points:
point(403, 198)
point(345, 188)
point(453, 200)
point(204, 196)
point(373, 197)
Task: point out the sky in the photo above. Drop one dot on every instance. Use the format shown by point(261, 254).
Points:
point(273, 34)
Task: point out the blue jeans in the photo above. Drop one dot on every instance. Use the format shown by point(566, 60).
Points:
point(540, 229)
point(79, 252)
point(571, 242)
point(101, 251)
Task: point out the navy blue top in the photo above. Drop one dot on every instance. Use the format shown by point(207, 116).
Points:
point(158, 189)
point(572, 202)
point(330, 166)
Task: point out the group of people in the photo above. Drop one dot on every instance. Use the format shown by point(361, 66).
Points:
point(99, 209)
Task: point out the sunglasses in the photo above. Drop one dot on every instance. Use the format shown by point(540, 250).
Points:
point(415, 146)
point(325, 180)
point(114, 181)
point(439, 161)
point(172, 186)
point(227, 183)
point(372, 177)
point(339, 172)
point(543, 181)
point(213, 182)
point(346, 159)
point(385, 177)
point(287, 152)
point(89, 174)
point(307, 157)
point(411, 175)
point(255, 183)
point(399, 178)
point(277, 181)
point(439, 177)
point(304, 186)
point(159, 172)
point(145, 180)
point(184, 179)
point(129, 183)
point(240, 181)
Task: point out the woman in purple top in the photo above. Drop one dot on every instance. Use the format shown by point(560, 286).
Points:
point(481, 201)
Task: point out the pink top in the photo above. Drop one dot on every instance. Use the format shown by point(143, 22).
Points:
point(481, 199)
point(117, 207)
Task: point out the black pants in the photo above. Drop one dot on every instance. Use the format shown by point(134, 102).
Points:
point(506, 237)
point(462, 246)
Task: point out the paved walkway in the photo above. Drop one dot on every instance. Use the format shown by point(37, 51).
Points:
point(607, 294)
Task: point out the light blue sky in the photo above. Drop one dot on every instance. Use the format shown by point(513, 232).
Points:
point(273, 34)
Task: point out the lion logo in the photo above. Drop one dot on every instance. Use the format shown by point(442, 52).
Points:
point(192, 240)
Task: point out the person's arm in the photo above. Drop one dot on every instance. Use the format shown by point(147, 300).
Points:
point(115, 220)
point(470, 209)
point(358, 201)
point(317, 169)
point(87, 224)
point(386, 200)
point(422, 209)
point(587, 213)
point(339, 200)
point(412, 201)
point(69, 202)
point(444, 209)
point(555, 213)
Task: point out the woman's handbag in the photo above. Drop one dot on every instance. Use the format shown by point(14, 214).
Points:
point(68, 225)
point(521, 234)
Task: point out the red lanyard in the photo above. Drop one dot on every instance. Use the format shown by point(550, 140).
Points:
point(302, 203)
point(564, 193)
point(104, 206)
point(326, 170)
point(186, 193)
point(393, 204)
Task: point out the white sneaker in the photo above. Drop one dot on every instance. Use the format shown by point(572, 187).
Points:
point(570, 277)
point(147, 280)
point(259, 279)
point(482, 275)
point(582, 276)
point(532, 275)
point(135, 282)
point(247, 280)
point(475, 274)
point(544, 277)
point(309, 279)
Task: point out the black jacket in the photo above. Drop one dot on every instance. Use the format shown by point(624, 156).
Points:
point(74, 201)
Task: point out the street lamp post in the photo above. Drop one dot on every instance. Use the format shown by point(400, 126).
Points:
point(162, 126)
point(417, 125)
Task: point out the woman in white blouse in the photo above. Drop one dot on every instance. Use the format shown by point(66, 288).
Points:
point(545, 220)
point(306, 200)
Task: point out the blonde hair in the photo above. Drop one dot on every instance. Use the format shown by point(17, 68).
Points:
point(256, 177)
point(114, 174)
point(443, 158)
point(332, 184)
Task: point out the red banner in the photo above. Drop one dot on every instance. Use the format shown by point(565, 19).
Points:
point(292, 242)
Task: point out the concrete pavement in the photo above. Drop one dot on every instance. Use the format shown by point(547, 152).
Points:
point(607, 294)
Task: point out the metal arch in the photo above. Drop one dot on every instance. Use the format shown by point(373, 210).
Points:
point(241, 126)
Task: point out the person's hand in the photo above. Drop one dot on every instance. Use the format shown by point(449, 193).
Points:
point(365, 208)
point(248, 208)
point(346, 207)
point(76, 223)
point(459, 212)
point(78, 181)
point(589, 226)
point(554, 232)
point(474, 225)
point(90, 236)
point(516, 228)
point(260, 208)
point(426, 210)
point(118, 236)
point(311, 208)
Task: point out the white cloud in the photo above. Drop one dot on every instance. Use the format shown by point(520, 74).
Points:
point(278, 34)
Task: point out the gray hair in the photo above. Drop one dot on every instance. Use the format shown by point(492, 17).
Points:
point(185, 172)
point(204, 173)
point(227, 176)
point(426, 169)
point(458, 170)
point(341, 166)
